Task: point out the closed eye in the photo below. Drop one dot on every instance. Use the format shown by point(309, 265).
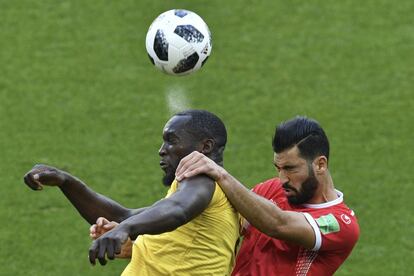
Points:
point(287, 168)
point(171, 138)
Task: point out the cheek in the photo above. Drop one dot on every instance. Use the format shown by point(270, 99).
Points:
point(175, 159)
point(297, 179)
point(176, 151)
point(182, 152)
point(178, 155)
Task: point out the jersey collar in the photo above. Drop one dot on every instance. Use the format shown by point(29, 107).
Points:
point(340, 199)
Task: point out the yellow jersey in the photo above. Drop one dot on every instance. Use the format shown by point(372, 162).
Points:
point(203, 246)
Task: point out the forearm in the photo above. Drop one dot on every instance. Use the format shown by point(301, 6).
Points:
point(90, 204)
point(258, 211)
point(189, 200)
point(266, 216)
point(164, 216)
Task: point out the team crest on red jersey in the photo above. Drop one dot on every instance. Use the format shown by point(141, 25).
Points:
point(345, 219)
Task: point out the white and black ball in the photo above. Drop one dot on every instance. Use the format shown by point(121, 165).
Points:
point(178, 42)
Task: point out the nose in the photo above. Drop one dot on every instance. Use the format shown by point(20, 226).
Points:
point(283, 177)
point(162, 150)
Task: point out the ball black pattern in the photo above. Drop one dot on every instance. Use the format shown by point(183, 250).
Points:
point(186, 64)
point(161, 46)
point(189, 33)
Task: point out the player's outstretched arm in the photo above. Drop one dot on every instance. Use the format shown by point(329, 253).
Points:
point(191, 199)
point(258, 211)
point(89, 204)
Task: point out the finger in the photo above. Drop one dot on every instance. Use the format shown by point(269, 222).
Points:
point(186, 161)
point(110, 225)
point(196, 167)
point(101, 221)
point(191, 173)
point(92, 253)
point(110, 249)
point(32, 183)
point(102, 250)
point(46, 177)
point(102, 260)
point(92, 231)
point(96, 235)
point(29, 182)
point(118, 248)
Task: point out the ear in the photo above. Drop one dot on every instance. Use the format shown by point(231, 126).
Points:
point(207, 146)
point(320, 164)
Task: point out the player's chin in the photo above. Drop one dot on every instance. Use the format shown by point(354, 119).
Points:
point(168, 178)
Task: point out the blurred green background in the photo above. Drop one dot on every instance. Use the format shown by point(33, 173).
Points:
point(77, 91)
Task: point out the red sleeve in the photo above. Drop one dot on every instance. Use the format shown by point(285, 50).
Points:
point(339, 230)
point(259, 188)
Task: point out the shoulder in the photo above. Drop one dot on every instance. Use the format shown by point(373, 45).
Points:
point(268, 186)
point(197, 180)
point(192, 195)
point(199, 184)
point(337, 225)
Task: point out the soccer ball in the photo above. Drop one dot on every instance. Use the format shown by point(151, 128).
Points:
point(178, 42)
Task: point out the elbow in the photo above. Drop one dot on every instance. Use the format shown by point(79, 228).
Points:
point(271, 230)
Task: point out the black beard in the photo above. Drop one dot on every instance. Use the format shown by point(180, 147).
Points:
point(168, 179)
point(306, 192)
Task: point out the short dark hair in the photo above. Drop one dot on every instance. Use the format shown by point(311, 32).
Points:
point(306, 134)
point(204, 124)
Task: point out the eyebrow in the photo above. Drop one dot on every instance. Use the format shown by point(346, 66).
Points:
point(170, 134)
point(285, 167)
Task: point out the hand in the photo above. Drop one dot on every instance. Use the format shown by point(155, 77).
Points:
point(108, 245)
point(41, 175)
point(197, 163)
point(101, 226)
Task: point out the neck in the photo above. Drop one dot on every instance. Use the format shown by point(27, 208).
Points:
point(218, 158)
point(325, 192)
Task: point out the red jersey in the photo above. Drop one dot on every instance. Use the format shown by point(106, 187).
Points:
point(336, 231)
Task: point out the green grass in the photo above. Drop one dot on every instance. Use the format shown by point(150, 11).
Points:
point(77, 91)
